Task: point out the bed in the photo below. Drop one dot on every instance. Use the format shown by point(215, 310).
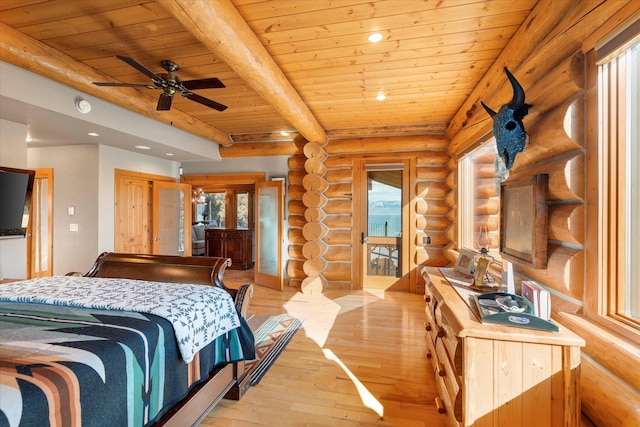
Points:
point(136, 341)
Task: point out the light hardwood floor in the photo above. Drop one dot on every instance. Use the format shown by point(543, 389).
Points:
point(359, 360)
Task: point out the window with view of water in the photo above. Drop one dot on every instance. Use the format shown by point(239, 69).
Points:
point(385, 203)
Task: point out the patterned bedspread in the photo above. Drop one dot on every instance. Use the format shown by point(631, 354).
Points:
point(198, 313)
point(70, 365)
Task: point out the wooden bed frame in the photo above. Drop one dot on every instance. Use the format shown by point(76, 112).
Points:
point(229, 381)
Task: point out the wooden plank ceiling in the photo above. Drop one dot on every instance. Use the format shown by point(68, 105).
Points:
point(432, 55)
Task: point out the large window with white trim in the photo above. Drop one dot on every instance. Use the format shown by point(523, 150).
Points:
point(617, 63)
point(479, 199)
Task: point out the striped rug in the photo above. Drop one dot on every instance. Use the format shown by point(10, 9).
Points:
point(272, 334)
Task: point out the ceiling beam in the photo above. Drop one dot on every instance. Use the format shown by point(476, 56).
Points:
point(26, 52)
point(221, 28)
point(543, 18)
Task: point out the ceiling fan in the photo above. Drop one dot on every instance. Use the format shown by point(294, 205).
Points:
point(171, 84)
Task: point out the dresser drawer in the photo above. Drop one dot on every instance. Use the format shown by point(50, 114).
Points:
point(446, 371)
point(431, 352)
point(449, 337)
point(448, 412)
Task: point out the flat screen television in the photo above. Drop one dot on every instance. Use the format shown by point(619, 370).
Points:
point(16, 186)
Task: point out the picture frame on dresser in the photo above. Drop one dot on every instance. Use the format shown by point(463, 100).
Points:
point(524, 220)
point(464, 264)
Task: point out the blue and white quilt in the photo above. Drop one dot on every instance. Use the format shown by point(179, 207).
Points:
point(199, 313)
point(109, 352)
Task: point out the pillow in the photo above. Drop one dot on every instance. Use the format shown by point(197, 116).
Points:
point(198, 231)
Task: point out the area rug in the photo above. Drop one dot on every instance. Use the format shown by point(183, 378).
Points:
point(272, 334)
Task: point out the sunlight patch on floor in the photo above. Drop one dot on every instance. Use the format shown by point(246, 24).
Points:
point(318, 324)
point(367, 398)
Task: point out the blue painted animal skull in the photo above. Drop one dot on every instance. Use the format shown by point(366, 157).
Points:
point(508, 129)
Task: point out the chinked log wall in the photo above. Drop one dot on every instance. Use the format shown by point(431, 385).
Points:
point(553, 76)
point(322, 230)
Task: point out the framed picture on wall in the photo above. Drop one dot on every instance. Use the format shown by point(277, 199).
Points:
point(524, 220)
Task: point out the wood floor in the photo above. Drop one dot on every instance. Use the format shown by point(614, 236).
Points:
point(359, 360)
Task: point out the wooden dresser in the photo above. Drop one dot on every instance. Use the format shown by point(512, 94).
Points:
point(236, 244)
point(494, 375)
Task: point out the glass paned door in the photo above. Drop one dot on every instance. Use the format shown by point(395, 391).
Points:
point(268, 234)
point(171, 219)
point(382, 232)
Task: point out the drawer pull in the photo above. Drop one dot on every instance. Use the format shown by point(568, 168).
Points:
point(429, 355)
point(439, 405)
point(441, 333)
point(441, 371)
point(428, 327)
point(427, 298)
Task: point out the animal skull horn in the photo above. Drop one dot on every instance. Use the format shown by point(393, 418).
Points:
point(508, 128)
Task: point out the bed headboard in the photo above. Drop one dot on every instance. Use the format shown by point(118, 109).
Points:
point(161, 268)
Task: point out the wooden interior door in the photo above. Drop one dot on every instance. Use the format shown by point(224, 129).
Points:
point(133, 211)
point(171, 218)
point(383, 224)
point(132, 215)
point(269, 220)
point(40, 235)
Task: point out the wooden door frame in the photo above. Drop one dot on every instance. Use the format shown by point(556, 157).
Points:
point(41, 173)
point(231, 184)
point(409, 250)
point(139, 176)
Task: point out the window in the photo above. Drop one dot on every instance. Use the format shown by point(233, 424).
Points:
point(479, 199)
point(617, 64)
point(242, 209)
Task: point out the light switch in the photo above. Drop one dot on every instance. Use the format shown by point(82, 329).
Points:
point(73, 227)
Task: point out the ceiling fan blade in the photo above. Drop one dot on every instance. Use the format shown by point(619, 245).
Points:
point(164, 102)
point(139, 67)
point(124, 85)
point(204, 101)
point(211, 83)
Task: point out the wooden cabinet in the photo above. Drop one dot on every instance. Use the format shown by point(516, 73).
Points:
point(494, 375)
point(236, 244)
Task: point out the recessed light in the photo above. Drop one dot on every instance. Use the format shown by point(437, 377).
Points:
point(93, 134)
point(142, 147)
point(381, 97)
point(169, 154)
point(375, 37)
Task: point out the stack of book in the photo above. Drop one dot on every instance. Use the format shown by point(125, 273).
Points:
point(539, 297)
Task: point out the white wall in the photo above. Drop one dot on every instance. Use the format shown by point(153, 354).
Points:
point(83, 178)
point(75, 184)
point(110, 160)
point(13, 153)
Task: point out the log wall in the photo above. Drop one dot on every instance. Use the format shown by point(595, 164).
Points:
point(321, 207)
point(553, 76)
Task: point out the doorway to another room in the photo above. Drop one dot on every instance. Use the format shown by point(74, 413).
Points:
point(382, 225)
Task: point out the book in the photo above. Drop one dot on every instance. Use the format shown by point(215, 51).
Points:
point(507, 309)
point(538, 296)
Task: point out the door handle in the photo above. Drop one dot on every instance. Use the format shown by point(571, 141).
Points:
point(363, 239)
